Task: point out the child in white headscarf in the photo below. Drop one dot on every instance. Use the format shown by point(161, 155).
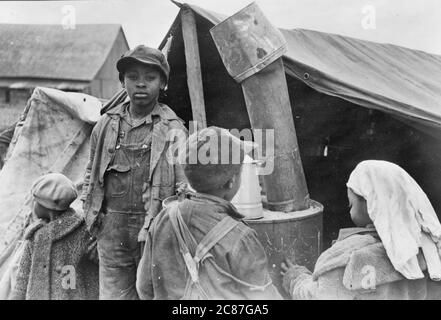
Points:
point(394, 253)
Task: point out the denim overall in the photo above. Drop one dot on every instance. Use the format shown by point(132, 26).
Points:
point(118, 247)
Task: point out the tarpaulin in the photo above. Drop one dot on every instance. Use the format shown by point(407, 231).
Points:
point(53, 137)
point(389, 78)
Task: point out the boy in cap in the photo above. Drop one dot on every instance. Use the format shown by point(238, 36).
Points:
point(129, 174)
point(209, 253)
point(56, 263)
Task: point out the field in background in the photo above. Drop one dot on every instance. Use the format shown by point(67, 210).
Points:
point(10, 113)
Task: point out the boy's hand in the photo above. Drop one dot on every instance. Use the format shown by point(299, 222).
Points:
point(142, 235)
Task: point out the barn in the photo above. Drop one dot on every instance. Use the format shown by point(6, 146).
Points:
point(80, 59)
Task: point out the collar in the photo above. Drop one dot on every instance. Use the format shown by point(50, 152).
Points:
point(230, 208)
point(161, 110)
point(347, 232)
point(65, 224)
point(33, 227)
point(125, 114)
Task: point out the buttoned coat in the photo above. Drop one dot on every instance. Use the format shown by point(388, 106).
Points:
point(57, 262)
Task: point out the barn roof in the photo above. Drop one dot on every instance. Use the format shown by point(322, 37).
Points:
point(51, 52)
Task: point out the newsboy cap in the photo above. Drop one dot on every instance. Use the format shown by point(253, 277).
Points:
point(54, 191)
point(144, 55)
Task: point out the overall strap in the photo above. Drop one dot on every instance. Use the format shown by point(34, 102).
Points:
point(220, 230)
point(185, 239)
point(188, 244)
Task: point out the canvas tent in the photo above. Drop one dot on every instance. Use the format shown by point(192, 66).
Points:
point(53, 137)
point(386, 77)
point(351, 100)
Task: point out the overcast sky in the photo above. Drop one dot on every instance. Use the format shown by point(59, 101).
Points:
point(410, 23)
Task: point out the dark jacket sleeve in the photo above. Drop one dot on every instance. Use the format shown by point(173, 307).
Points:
point(21, 285)
point(144, 283)
point(250, 264)
point(93, 142)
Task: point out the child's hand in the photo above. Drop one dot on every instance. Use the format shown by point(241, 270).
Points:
point(142, 235)
point(286, 266)
point(290, 272)
point(182, 188)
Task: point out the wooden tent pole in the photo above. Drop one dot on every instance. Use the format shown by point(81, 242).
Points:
point(194, 75)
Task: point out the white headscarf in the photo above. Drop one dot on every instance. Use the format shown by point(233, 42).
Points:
point(402, 215)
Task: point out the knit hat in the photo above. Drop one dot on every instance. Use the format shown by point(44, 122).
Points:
point(211, 157)
point(54, 191)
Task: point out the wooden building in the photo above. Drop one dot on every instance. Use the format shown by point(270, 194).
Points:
point(81, 59)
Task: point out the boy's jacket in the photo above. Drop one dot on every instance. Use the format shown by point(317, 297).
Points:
point(163, 175)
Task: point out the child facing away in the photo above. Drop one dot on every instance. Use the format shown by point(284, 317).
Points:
point(57, 259)
point(392, 254)
point(199, 248)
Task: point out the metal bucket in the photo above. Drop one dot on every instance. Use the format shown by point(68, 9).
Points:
point(247, 42)
point(295, 235)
